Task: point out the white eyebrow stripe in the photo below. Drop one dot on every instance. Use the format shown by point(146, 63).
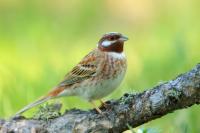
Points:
point(107, 43)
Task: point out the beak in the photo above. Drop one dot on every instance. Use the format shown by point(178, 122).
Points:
point(123, 38)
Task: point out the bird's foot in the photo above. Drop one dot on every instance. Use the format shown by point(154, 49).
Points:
point(104, 104)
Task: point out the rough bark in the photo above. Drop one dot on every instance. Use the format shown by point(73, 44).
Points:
point(130, 109)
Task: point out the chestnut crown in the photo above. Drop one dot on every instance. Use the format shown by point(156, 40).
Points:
point(112, 42)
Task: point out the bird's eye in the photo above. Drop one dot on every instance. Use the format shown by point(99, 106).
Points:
point(112, 38)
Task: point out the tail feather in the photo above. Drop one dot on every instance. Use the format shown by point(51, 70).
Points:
point(29, 106)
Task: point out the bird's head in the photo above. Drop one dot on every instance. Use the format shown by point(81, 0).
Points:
point(112, 42)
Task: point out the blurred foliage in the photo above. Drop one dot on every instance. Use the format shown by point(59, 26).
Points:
point(142, 130)
point(42, 40)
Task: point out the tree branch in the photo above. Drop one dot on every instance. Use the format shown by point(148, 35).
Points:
point(130, 109)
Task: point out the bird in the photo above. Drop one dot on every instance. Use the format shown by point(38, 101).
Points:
point(98, 74)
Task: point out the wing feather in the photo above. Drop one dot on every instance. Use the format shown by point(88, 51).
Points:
point(86, 69)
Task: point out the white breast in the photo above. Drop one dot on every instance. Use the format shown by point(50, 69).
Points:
point(117, 55)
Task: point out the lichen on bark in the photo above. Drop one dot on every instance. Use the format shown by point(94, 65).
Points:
point(130, 109)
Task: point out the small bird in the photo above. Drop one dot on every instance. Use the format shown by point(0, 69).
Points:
point(95, 76)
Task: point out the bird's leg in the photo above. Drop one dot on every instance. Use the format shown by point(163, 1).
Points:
point(103, 103)
point(97, 109)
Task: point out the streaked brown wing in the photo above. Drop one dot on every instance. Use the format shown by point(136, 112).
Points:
point(84, 70)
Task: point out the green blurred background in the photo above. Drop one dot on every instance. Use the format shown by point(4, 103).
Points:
point(41, 40)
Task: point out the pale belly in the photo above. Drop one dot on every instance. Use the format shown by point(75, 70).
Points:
point(101, 88)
